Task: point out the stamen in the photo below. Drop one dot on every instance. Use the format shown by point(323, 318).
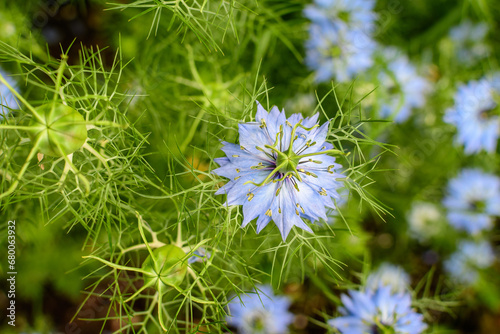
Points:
point(242, 148)
point(262, 123)
point(323, 192)
point(250, 196)
point(236, 156)
point(266, 153)
point(269, 212)
point(237, 170)
point(237, 177)
point(278, 191)
point(296, 212)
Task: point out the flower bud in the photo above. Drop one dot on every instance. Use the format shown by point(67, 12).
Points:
point(62, 131)
point(166, 265)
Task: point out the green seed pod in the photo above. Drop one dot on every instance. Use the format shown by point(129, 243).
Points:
point(63, 129)
point(166, 265)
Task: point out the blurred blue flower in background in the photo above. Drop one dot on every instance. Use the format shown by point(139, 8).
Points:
point(378, 311)
point(199, 255)
point(389, 275)
point(473, 198)
point(469, 41)
point(340, 41)
point(7, 99)
point(343, 14)
point(403, 88)
point(338, 53)
point(463, 265)
point(476, 115)
point(424, 221)
point(262, 313)
point(276, 180)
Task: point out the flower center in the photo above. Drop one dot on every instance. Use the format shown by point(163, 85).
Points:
point(287, 162)
point(345, 16)
point(487, 113)
point(478, 205)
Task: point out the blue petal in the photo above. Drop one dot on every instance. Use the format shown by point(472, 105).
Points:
point(262, 198)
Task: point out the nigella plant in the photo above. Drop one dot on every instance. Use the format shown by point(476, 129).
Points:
point(476, 116)
point(473, 199)
point(463, 266)
point(282, 169)
point(340, 41)
point(378, 311)
point(260, 313)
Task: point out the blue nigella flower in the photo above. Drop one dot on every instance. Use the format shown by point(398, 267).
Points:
point(199, 255)
point(7, 99)
point(378, 311)
point(425, 221)
point(476, 116)
point(468, 39)
point(339, 53)
point(343, 14)
point(262, 313)
point(389, 275)
point(340, 41)
point(281, 170)
point(470, 257)
point(473, 198)
point(403, 88)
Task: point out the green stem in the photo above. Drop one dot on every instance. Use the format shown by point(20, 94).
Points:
point(160, 310)
point(32, 153)
point(141, 231)
point(117, 266)
point(78, 174)
point(192, 130)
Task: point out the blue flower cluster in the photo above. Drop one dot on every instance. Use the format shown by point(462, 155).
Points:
point(378, 311)
point(7, 99)
point(340, 41)
point(476, 115)
point(260, 313)
point(470, 257)
point(403, 89)
point(469, 42)
point(473, 199)
point(281, 170)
